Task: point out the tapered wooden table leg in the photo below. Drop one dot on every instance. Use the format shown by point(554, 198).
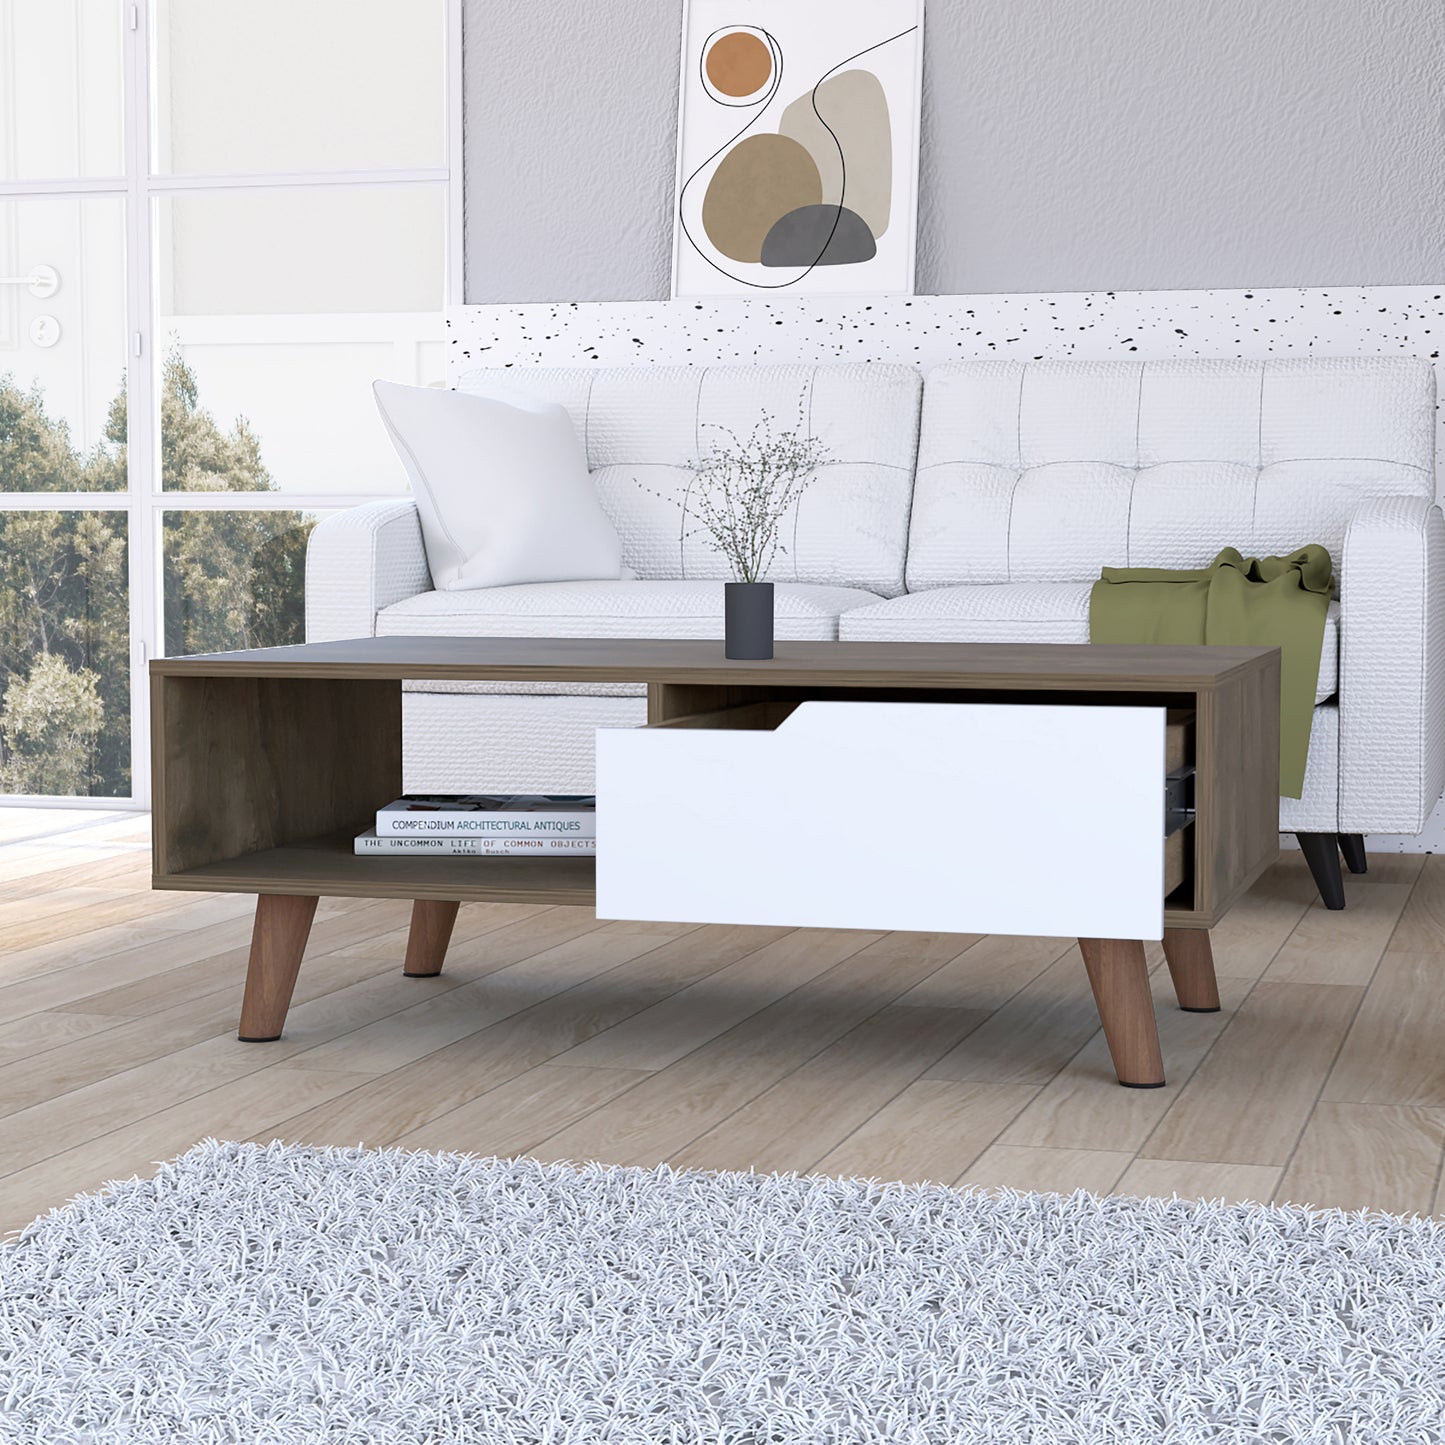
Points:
point(1120, 980)
point(1191, 966)
point(431, 931)
point(283, 922)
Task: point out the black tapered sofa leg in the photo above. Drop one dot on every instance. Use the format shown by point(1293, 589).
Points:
point(1322, 853)
point(1352, 845)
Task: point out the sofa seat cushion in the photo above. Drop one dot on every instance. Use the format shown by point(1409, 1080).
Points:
point(803, 612)
point(1017, 612)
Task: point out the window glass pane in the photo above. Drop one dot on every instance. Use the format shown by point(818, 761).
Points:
point(332, 249)
point(64, 654)
point(273, 85)
point(277, 312)
point(62, 353)
point(60, 89)
point(234, 579)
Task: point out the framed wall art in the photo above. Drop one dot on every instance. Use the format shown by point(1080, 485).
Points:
point(797, 156)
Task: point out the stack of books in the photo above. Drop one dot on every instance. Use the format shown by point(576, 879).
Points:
point(486, 823)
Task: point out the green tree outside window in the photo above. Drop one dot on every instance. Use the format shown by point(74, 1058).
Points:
point(231, 579)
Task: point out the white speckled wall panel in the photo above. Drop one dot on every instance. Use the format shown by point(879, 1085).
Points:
point(926, 331)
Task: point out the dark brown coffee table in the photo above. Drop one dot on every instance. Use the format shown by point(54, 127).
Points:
point(267, 763)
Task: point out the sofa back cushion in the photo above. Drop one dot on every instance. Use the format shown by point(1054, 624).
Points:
point(1049, 470)
point(643, 427)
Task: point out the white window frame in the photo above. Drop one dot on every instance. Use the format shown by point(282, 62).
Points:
point(144, 503)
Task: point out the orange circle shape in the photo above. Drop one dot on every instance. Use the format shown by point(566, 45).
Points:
point(739, 63)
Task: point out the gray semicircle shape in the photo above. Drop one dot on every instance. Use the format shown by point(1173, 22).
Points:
point(855, 106)
point(840, 235)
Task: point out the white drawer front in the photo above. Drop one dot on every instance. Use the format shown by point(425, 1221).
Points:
point(950, 817)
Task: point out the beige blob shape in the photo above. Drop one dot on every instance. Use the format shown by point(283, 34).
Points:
point(759, 181)
point(856, 109)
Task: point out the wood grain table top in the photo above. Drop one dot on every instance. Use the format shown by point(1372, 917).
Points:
point(1061, 666)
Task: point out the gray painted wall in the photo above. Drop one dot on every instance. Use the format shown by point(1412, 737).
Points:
point(1068, 145)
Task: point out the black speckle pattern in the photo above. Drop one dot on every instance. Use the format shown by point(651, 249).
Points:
point(924, 331)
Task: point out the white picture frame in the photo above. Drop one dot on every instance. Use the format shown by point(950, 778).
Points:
point(797, 148)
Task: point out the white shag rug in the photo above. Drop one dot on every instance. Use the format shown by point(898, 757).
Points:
point(286, 1294)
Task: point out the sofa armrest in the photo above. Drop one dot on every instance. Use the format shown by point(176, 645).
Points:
point(1392, 666)
point(359, 561)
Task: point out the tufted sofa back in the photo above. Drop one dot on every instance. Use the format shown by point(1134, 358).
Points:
point(643, 426)
point(1026, 471)
point(1048, 470)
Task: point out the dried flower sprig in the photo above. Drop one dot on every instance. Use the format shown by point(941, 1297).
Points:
point(741, 491)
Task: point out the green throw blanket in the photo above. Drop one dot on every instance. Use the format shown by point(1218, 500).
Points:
point(1235, 601)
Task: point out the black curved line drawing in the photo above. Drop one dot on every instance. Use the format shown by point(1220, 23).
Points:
point(764, 103)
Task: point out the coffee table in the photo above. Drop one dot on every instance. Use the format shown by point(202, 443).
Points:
point(266, 764)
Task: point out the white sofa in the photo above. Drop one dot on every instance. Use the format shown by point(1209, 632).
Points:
point(977, 505)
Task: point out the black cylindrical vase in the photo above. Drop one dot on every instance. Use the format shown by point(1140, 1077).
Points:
point(748, 619)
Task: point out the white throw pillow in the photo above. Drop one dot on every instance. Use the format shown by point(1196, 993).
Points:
point(502, 488)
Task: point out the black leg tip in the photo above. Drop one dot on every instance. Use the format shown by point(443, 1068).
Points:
point(267, 1039)
point(1123, 1084)
point(405, 974)
point(1184, 1008)
point(1322, 853)
point(1352, 845)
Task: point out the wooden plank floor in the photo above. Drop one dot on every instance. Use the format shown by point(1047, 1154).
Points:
point(910, 1056)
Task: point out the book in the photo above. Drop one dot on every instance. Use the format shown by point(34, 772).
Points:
point(450, 847)
point(489, 815)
